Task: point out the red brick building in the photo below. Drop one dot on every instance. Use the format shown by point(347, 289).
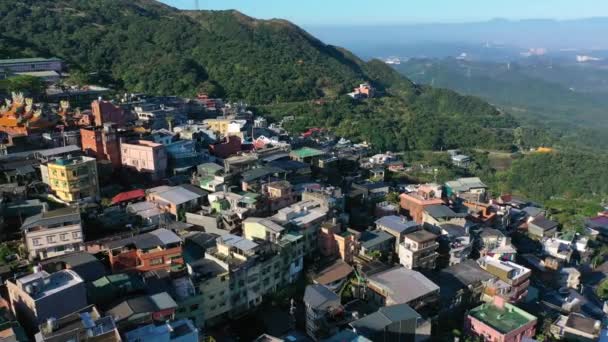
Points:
point(156, 250)
point(227, 148)
point(106, 111)
point(415, 202)
point(101, 143)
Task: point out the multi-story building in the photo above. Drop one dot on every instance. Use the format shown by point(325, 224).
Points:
point(307, 217)
point(495, 244)
point(415, 202)
point(513, 279)
point(53, 233)
point(40, 296)
point(279, 195)
point(470, 189)
point(235, 275)
point(438, 215)
point(145, 157)
point(227, 127)
point(31, 64)
point(418, 250)
point(576, 327)
point(159, 249)
point(72, 179)
point(541, 227)
point(102, 143)
point(86, 324)
point(106, 112)
point(262, 229)
point(394, 323)
point(323, 311)
point(500, 322)
point(399, 285)
point(396, 226)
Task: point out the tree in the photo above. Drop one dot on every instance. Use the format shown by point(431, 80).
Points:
point(29, 85)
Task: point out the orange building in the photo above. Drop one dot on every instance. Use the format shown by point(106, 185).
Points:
point(416, 202)
point(156, 250)
point(333, 241)
point(106, 111)
point(101, 143)
point(19, 116)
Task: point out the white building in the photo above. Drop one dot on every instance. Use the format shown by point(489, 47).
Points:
point(53, 233)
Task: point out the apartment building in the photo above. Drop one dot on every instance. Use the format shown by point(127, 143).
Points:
point(397, 226)
point(399, 285)
point(418, 250)
point(40, 296)
point(512, 283)
point(307, 217)
point(106, 112)
point(176, 200)
point(237, 273)
point(53, 233)
point(156, 250)
point(176, 331)
point(72, 179)
point(145, 157)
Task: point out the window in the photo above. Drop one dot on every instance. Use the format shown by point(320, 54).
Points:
point(156, 261)
point(36, 242)
point(63, 237)
point(75, 235)
point(50, 238)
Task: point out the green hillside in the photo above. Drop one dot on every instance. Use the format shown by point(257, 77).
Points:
point(144, 46)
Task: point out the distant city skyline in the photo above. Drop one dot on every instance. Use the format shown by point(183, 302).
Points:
point(360, 12)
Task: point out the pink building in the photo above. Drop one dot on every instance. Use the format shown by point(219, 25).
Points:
point(500, 322)
point(145, 157)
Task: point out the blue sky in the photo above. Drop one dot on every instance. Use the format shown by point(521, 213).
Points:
point(344, 12)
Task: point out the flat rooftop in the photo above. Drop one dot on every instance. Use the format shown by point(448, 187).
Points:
point(504, 320)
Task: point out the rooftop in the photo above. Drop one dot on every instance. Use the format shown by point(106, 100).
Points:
point(320, 297)
point(157, 238)
point(76, 324)
point(41, 284)
point(173, 330)
point(268, 224)
point(307, 152)
point(373, 238)
point(396, 224)
point(336, 271)
point(504, 320)
point(403, 285)
point(421, 236)
point(52, 218)
point(28, 60)
point(465, 184)
point(381, 319)
point(544, 223)
point(174, 195)
point(442, 211)
point(237, 242)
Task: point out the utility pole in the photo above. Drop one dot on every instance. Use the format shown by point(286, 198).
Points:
point(196, 5)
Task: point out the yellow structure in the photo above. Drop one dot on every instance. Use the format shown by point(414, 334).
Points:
point(544, 150)
point(73, 178)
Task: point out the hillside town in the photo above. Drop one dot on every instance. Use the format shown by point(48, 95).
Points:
point(131, 217)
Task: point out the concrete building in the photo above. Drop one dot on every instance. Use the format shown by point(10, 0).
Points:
point(145, 157)
point(31, 64)
point(513, 279)
point(102, 144)
point(418, 250)
point(576, 327)
point(323, 309)
point(72, 179)
point(176, 331)
point(399, 285)
point(159, 249)
point(500, 322)
point(470, 189)
point(53, 233)
point(307, 217)
point(176, 200)
point(40, 296)
point(86, 324)
point(541, 227)
point(438, 215)
point(397, 226)
point(279, 195)
point(570, 277)
point(262, 229)
point(227, 127)
point(396, 323)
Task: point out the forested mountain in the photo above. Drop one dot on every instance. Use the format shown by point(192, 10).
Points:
point(567, 100)
point(144, 46)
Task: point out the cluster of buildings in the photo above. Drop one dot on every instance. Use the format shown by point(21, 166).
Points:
point(166, 218)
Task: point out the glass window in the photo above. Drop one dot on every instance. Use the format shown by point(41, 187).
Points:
point(156, 261)
point(36, 242)
point(75, 235)
point(63, 237)
point(50, 238)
